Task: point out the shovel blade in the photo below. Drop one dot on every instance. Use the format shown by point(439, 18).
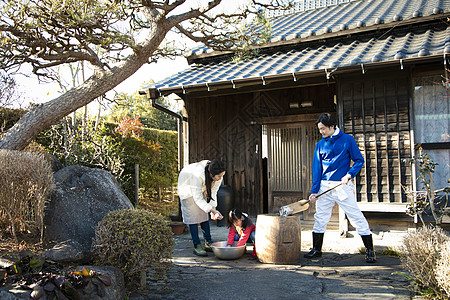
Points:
point(297, 207)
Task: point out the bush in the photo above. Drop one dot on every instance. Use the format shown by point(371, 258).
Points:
point(443, 268)
point(8, 117)
point(133, 240)
point(155, 151)
point(26, 180)
point(422, 252)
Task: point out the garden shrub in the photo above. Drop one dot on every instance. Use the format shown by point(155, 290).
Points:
point(8, 117)
point(422, 252)
point(165, 169)
point(443, 268)
point(155, 151)
point(26, 180)
point(133, 240)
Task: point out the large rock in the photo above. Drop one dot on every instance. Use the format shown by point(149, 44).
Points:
point(67, 252)
point(82, 197)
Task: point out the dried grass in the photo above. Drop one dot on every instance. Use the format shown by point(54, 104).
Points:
point(26, 180)
point(421, 253)
point(443, 268)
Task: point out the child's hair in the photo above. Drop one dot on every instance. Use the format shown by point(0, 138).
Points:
point(236, 214)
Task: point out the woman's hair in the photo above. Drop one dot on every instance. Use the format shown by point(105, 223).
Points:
point(327, 119)
point(236, 214)
point(212, 168)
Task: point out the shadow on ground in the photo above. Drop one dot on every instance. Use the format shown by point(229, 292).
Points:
point(334, 276)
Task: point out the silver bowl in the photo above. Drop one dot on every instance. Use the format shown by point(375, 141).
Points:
point(221, 250)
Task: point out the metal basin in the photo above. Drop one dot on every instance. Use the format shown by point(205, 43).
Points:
point(221, 250)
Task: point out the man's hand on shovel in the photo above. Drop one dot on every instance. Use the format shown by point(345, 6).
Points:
point(313, 198)
point(302, 205)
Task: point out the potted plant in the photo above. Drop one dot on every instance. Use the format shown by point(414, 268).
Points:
point(177, 227)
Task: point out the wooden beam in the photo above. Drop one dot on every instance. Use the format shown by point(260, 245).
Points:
point(382, 207)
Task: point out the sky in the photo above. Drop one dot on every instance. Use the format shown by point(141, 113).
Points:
point(33, 91)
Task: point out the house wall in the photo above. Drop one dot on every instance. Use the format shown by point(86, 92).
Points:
point(219, 127)
point(375, 109)
point(229, 127)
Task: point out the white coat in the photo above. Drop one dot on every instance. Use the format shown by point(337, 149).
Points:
point(192, 193)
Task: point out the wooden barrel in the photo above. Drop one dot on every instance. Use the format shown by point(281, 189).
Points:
point(278, 239)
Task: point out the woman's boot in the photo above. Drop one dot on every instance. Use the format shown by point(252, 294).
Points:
point(370, 253)
point(316, 251)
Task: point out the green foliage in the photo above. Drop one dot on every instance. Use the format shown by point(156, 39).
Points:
point(99, 146)
point(26, 180)
point(422, 251)
point(156, 154)
point(84, 145)
point(136, 105)
point(246, 47)
point(8, 117)
point(133, 240)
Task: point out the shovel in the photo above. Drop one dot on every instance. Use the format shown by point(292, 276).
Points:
point(301, 205)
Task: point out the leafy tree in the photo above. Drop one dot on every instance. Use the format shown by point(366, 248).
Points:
point(116, 37)
point(136, 105)
point(7, 90)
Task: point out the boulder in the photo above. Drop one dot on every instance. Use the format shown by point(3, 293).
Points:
point(81, 198)
point(54, 162)
point(67, 252)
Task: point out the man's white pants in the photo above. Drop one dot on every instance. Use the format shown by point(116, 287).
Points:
point(345, 198)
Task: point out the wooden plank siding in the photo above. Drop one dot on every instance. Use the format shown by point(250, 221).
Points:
point(375, 110)
point(220, 127)
point(229, 127)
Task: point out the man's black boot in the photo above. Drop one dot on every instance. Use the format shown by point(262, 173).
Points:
point(316, 251)
point(370, 253)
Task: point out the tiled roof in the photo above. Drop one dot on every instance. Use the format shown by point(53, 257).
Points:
point(383, 47)
point(387, 48)
point(347, 16)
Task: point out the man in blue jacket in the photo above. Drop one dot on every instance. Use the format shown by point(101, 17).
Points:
point(331, 166)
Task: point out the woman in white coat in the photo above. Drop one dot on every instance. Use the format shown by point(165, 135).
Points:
point(198, 184)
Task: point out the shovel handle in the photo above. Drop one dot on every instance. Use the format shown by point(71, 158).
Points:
point(325, 192)
point(328, 190)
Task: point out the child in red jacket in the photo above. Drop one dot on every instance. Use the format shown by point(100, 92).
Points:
point(241, 229)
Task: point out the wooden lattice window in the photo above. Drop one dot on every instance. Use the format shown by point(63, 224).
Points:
point(376, 112)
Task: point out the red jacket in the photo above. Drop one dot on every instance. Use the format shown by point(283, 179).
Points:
point(243, 238)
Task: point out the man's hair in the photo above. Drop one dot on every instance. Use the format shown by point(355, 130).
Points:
point(327, 119)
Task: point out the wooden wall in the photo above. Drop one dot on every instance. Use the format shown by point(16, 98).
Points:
point(375, 110)
point(229, 127)
point(220, 127)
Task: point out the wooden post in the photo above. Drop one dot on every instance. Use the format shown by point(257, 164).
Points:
point(136, 185)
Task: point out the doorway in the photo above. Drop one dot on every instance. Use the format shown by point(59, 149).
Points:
point(289, 150)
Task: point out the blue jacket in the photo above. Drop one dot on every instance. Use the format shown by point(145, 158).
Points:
point(332, 157)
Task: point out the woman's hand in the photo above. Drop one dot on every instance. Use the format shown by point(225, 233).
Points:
point(216, 215)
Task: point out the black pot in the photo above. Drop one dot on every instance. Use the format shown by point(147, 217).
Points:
point(225, 202)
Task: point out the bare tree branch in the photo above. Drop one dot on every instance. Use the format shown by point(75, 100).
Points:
point(115, 36)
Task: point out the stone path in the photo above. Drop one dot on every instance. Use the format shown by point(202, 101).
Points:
point(341, 273)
